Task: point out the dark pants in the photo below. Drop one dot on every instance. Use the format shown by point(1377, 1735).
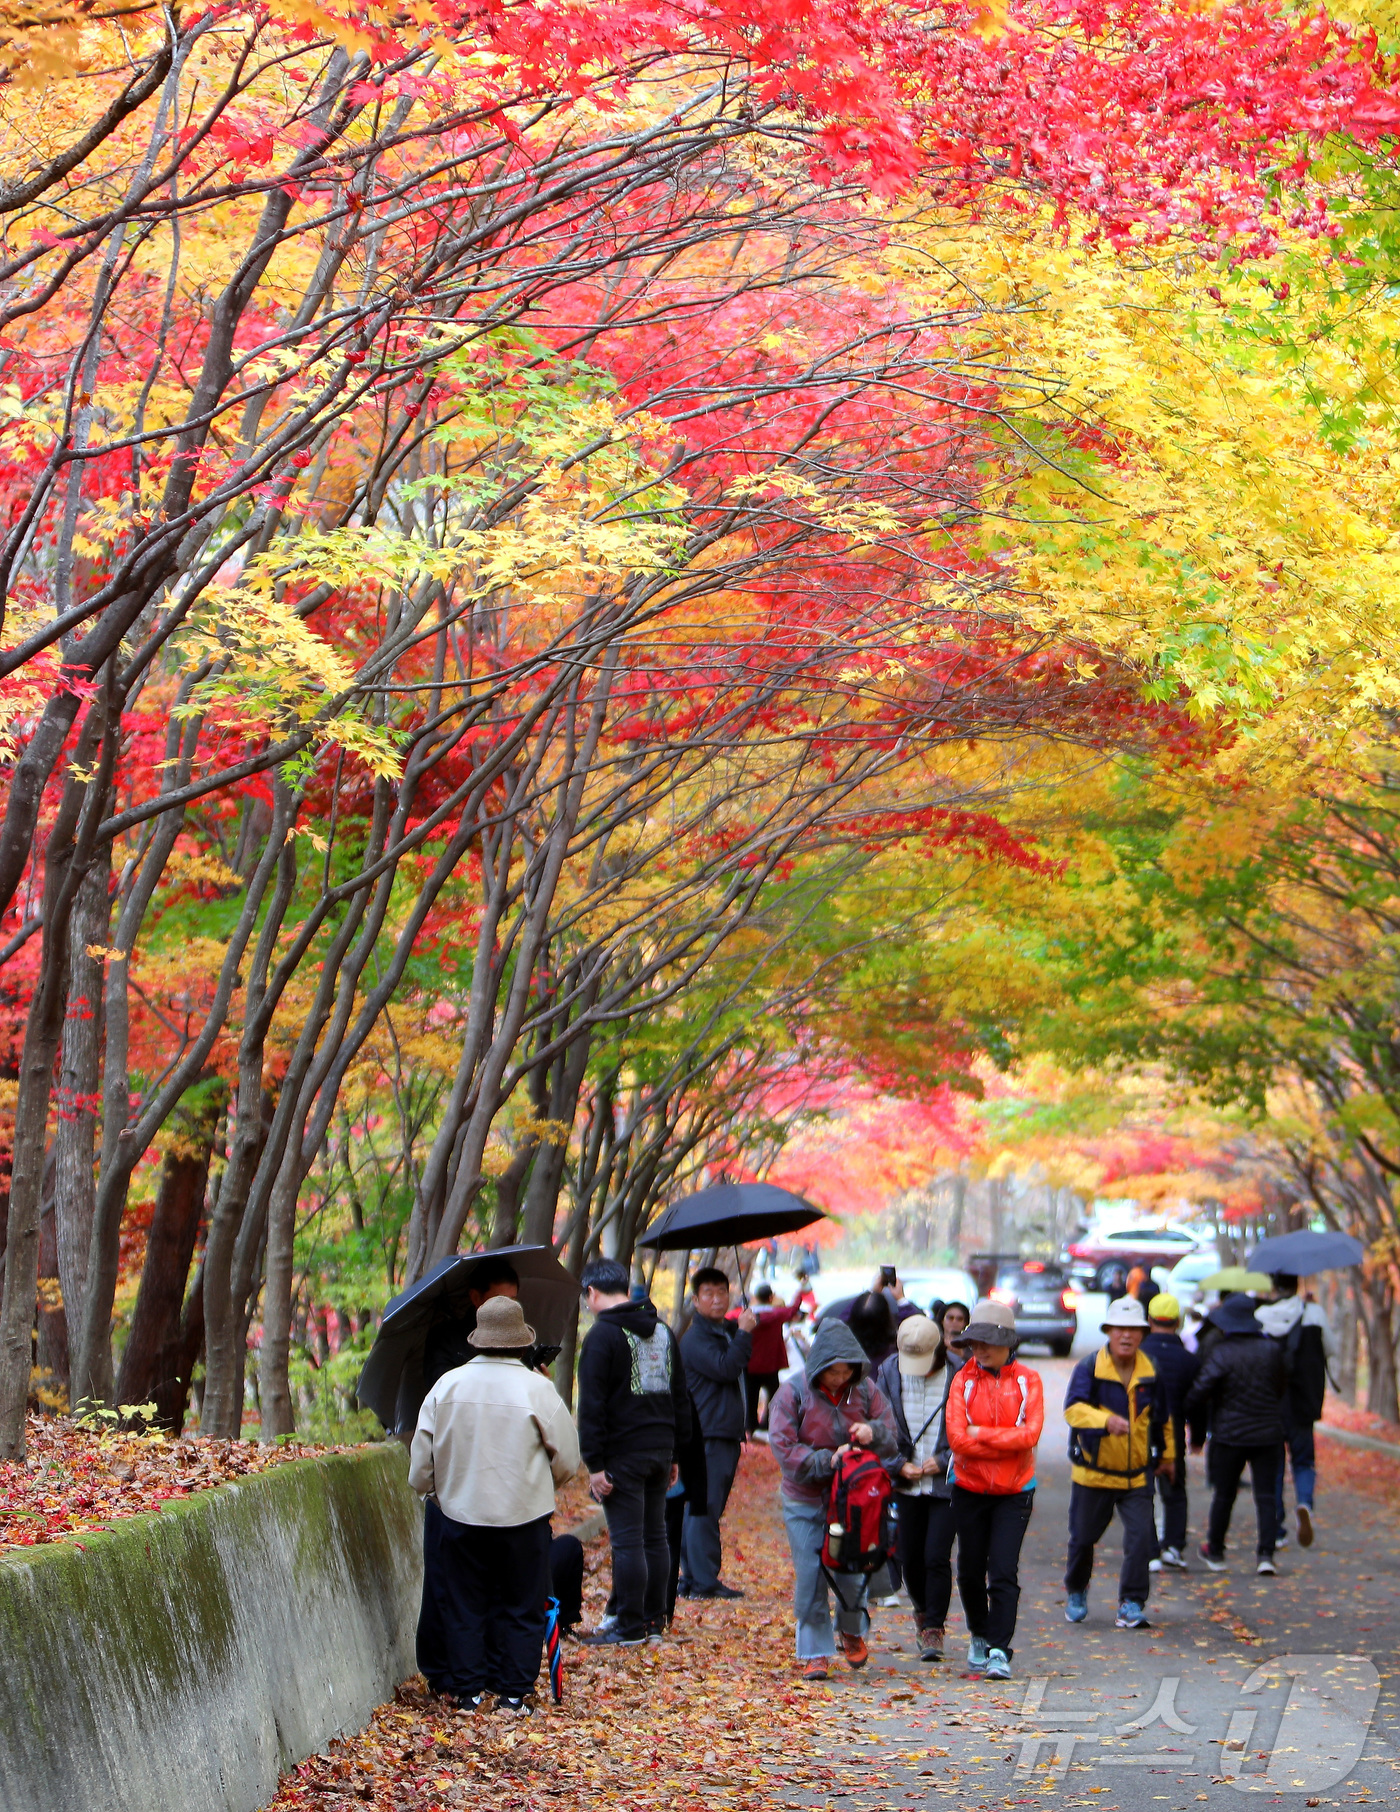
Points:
point(754, 1382)
point(1226, 1473)
point(926, 1536)
point(1091, 1510)
point(484, 1592)
point(990, 1530)
point(566, 1578)
point(641, 1560)
point(1173, 1500)
point(675, 1541)
point(1300, 1447)
point(703, 1553)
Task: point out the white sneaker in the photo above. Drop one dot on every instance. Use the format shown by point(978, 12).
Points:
point(1175, 1559)
point(1266, 1566)
point(1282, 1541)
point(1154, 1566)
point(998, 1665)
point(976, 1653)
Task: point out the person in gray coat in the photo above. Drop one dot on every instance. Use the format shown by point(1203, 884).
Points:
point(715, 1353)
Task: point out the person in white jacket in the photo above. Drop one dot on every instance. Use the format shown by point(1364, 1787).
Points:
point(1300, 1326)
point(493, 1439)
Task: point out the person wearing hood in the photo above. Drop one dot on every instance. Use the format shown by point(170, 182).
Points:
point(915, 1382)
point(1301, 1329)
point(633, 1420)
point(1241, 1386)
point(995, 1415)
point(1177, 1368)
point(833, 1404)
point(716, 1354)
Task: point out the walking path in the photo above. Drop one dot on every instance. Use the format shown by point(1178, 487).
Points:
point(1285, 1688)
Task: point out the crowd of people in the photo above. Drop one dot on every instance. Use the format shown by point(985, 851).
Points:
point(929, 1424)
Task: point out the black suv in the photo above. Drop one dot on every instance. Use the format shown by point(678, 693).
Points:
point(1039, 1296)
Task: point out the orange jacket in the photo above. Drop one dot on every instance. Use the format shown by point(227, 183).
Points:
point(994, 1420)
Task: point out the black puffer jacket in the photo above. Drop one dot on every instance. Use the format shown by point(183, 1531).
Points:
point(1241, 1386)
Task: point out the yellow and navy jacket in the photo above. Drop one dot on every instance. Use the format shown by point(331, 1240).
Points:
point(1117, 1462)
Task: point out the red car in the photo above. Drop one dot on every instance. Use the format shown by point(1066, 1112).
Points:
point(1094, 1258)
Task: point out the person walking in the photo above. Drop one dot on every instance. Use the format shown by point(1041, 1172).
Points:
point(768, 1355)
point(952, 1322)
point(1241, 1387)
point(914, 1381)
point(833, 1404)
point(716, 1354)
point(1120, 1432)
point(1177, 1369)
point(1300, 1326)
point(634, 1417)
point(493, 1440)
point(995, 1415)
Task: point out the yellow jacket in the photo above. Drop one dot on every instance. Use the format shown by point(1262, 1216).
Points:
point(1115, 1462)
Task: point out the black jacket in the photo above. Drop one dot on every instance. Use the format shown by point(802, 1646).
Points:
point(1177, 1367)
point(716, 1356)
point(1241, 1386)
point(631, 1389)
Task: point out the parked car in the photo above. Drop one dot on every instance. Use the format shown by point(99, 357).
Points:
point(836, 1289)
point(1185, 1280)
point(1039, 1295)
point(1094, 1259)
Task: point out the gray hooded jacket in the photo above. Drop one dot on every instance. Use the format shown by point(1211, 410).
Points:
point(806, 1426)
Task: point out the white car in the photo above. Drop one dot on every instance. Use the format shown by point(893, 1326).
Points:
point(1184, 1281)
point(922, 1286)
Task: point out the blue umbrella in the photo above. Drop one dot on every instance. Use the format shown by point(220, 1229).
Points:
point(554, 1652)
point(1301, 1254)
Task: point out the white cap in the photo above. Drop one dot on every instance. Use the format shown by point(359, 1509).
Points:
point(1127, 1312)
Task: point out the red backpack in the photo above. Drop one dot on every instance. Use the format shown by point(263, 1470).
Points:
point(859, 1514)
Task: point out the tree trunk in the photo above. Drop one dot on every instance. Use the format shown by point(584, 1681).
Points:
point(225, 1327)
point(53, 1323)
point(152, 1364)
point(1376, 1308)
point(75, 1141)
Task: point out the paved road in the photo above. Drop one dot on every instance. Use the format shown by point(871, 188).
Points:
point(1286, 1688)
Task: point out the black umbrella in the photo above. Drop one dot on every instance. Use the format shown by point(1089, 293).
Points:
point(1301, 1254)
point(729, 1214)
point(391, 1383)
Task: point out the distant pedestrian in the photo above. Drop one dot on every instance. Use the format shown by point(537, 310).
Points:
point(952, 1324)
point(871, 1320)
point(768, 1355)
point(833, 1404)
point(995, 1416)
point(1120, 1433)
point(716, 1354)
point(1300, 1326)
point(1177, 1369)
point(914, 1382)
point(493, 1440)
point(634, 1417)
point(1241, 1387)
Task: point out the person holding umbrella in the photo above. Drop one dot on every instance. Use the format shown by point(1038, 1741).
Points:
point(1301, 1328)
point(492, 1442)
point(716, 1353)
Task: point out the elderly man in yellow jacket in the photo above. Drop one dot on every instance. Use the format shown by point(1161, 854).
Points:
point(492, 1442)
point(1120, 1435)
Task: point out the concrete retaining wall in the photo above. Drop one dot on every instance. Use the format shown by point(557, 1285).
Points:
point(180, 1663)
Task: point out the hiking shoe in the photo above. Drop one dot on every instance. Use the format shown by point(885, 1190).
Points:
point(976, 1653)
point(613, 1638)
point(998, 1665)
point(815, 1670)
point(608, 1621)
point(1076, 1607)
point(931, 1645)
point(1175, 1559)
point(1266, 1566)
point(1131, 1616)
point(714, 1591)
point(1216, 1562)
point(515, 1708)
point(1305, 1526)
point(854, 1649)
point(656, 1629)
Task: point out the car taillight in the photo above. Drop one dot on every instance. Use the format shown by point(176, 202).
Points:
point(1006, 1296)
point(1069, 1299)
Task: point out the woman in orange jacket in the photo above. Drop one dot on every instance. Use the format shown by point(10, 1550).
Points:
point(995, 1414)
